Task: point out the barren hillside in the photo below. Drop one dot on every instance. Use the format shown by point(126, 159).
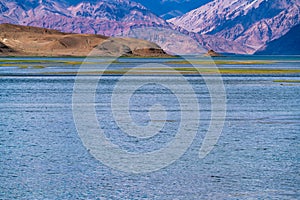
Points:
point(33, 41)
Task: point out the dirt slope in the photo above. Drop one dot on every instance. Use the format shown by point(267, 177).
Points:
point(32, 41)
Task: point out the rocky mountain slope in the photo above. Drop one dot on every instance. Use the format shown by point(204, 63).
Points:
point(106, 17)
point(249, 23)
point(289, 44)
point(26, 40)
point(164, 8)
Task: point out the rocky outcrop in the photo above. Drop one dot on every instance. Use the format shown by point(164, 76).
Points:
point(212, 53)
point(33, 41)
point(5, 50)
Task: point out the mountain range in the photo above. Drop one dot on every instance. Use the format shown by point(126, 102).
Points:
point(230, 26)
point(107, 17)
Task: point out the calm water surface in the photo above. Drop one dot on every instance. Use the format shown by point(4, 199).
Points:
point(256, 157)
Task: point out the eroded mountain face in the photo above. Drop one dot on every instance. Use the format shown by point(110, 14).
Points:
point(251, 23)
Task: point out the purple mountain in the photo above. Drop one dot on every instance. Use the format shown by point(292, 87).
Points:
point(107, 17)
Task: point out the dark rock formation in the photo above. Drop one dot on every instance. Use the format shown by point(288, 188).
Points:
point(212, 53)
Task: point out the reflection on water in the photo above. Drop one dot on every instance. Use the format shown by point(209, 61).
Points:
point(42, 156)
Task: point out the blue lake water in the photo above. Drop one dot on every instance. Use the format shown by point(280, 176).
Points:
point(256, 157)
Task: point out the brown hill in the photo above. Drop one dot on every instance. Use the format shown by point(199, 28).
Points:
point(16, 40)
point(212, 53)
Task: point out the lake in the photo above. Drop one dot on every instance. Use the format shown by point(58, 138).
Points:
point(47, 150)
